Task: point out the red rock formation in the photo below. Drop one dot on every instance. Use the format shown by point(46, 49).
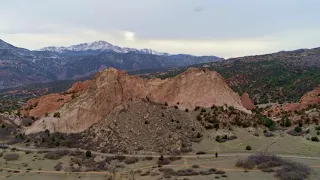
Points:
point(111, 90)
point(247, 102)
point(312, 97)
point(79, 86)
point(38, 107)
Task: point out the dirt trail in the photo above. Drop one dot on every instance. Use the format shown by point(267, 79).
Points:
point(149, 155)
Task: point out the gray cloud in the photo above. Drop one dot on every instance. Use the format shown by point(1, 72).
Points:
point(198, 9)
point(271, 25)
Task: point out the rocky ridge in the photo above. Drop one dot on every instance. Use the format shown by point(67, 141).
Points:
point(38, 107)
point(310, 98)
point(307, 110)
point(112, 91)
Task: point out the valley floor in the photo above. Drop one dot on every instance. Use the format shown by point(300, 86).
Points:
point(292, 147)
point(43, 169)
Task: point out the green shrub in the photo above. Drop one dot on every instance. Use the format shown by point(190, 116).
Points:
point(316, 139)
point(56, 114)
point(131, 160)
point(286, 122)
point(88, 154)
point(267, 122)
point(195, 166)
point(308, 131)
point(248, 148)
point(297, 129)
point(58, 167)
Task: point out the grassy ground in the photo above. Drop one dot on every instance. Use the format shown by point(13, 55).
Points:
point(34, 161)
point(226, 164)
point(281, 143)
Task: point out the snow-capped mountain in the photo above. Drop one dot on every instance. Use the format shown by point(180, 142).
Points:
point(19, 66)
point(100, 46)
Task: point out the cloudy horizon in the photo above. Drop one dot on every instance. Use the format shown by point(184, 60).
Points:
point(204, 27)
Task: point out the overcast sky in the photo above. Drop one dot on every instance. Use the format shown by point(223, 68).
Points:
point(225, 28)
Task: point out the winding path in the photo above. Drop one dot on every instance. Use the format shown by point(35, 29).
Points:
point(148, 155)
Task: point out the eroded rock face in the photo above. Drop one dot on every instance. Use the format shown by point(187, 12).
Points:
point(38, 107)
point(247, 102)
point(79, 86)
point(111, 91)
point(45, 104)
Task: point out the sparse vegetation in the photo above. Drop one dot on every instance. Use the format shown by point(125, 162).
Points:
point(315, 139)
point(169, 172)
point(149, 158)
point(200, 153)
point(268, 123)
point(131, 160)
point(284, 169)
point(11, 157)
point(245, 163)
point(54, 155)
point(286, 122)
point(58, 167)
point(298, 129)
point(195, 166)
point(296, 132)
point(268, 134)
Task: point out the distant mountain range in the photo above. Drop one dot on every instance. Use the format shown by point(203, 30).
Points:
point(97, 47)
point(19, 66)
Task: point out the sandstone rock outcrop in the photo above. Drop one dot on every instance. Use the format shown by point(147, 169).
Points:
point(312, 97)
point(38, 107)
point(247, 102)
point(111, 90)
point(79, 86)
